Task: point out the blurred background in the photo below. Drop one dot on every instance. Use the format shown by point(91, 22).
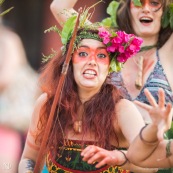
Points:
point(22, 45)
point(30, 18)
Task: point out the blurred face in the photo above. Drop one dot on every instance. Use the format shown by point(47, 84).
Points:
point(90, 64)
point(146, 20)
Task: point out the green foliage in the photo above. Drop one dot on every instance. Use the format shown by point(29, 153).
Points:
point(167, 19)
point(115, 66)
point(1, 2)
point(46, 58)
point(137, 3)
point(6, 11)
point(112, 11)
point(53, 28)
point(68, 29)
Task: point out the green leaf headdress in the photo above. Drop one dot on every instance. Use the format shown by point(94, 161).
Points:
point(120, 45)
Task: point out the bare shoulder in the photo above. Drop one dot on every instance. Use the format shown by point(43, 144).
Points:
point(125, 104)
point(127, 109)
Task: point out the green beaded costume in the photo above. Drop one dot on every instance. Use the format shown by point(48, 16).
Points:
point(69, 160)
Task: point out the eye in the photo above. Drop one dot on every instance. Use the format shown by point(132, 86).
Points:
point(101, 55)
point(155, 3)
point(83, 54)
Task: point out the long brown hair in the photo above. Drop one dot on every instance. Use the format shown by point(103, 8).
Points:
point(99, 111)
point(124, 21)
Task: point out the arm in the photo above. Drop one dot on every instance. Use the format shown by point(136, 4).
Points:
point(31, 149)
point(125, 121)
point(153, 152)
point(62, 10)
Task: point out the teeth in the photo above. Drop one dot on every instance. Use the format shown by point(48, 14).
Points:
point(91, 72)
point(144, 18)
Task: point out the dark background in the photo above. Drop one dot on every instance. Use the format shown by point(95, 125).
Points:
point(30, 18)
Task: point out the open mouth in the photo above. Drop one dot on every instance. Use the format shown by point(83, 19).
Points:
point(146, 20)
point(90, 73)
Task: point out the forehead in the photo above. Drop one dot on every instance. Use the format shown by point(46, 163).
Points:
point(91, 43)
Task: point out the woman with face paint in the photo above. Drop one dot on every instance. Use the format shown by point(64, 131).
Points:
point(90, 111)
point(151, 67)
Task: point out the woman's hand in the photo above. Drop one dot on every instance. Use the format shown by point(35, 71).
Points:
point(92, 154)
point(160, 113)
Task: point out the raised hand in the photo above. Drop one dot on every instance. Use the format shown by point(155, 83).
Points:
point(160, 113)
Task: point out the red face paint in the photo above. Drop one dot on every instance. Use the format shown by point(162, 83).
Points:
point(85, 53)
point(153, 5)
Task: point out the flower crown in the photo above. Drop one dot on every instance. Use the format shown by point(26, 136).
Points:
point(120, 45)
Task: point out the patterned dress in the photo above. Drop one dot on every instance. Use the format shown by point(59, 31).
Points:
point(69, 160)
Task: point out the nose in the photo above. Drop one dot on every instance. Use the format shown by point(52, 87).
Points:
point(92, 60)
point(145, 8)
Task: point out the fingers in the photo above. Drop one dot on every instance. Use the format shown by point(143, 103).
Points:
point(169, 109)
point(150, 98)
point(88, 152)
point(161, 95)
point(143, 105)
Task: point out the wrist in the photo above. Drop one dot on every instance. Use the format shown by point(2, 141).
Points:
point(149, 140)
point(123, 159)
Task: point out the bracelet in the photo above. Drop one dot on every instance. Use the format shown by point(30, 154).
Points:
point(143, 140)
point(126, 159)
point(168, 149)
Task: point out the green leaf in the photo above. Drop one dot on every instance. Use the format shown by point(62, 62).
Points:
point(53, 28)
point(6, 11)
point(68, 29)
point(165, 19)
point(171, 15)
point(107, 22)
point(1, 2)
point(137, 3)
point(115, 66)
point(112, 11)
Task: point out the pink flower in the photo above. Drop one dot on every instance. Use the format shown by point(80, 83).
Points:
point(121, 49)
point(123, 44)
point(111, 48)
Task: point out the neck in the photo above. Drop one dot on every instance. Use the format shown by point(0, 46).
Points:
point(148, 41)
point(85, 95)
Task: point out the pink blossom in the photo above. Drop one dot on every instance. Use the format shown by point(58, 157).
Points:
point(123, 44)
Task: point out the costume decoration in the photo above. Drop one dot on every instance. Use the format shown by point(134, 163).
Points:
point(120, 45)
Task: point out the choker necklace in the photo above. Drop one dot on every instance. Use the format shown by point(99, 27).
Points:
point(77, 126)
point(144, 48)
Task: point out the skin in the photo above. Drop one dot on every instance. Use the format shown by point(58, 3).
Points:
point(153, 155)
point(146, 30)
point(91, 65)
point(161, 120)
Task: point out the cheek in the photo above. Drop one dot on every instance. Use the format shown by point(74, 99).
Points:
point(77, 59)
point(104, 61)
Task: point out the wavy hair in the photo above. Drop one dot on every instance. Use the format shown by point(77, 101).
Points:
point(99, 111)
